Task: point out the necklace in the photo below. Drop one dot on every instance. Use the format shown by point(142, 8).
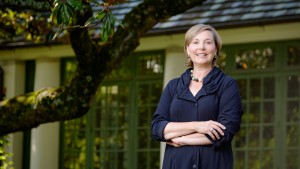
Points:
point(195, 78)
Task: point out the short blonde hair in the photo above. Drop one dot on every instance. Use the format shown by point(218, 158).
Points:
point(193, 32)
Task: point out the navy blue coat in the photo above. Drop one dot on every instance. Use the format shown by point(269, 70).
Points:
point(218, 100)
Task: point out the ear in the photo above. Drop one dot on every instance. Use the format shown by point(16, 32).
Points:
point(187, 50)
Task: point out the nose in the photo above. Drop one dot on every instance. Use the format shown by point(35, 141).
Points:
point(201, 46)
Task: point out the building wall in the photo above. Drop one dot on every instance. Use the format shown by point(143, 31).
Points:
point(14, 82)
point(44, 152)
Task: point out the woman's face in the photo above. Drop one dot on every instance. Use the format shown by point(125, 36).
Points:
point(202, 49)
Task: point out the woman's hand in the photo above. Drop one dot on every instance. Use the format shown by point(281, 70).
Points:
point(212, 128)
point(175, 142)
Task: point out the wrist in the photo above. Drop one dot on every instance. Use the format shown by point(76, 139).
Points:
point(196, 127)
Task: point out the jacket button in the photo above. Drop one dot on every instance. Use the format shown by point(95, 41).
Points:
point(194, 166)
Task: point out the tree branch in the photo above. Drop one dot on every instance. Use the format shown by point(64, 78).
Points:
point(94, 62)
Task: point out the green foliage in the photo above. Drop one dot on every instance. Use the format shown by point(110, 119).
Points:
point(64, 11)
point(108, 21)
point(64, 14)
point(30, 25)
point(5, 162)
point(24, 24)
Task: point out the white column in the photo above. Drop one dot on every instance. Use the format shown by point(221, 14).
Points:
point(45, 138)
point(14, 82)
point(175, 65)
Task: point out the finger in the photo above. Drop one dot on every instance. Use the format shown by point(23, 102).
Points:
point(219, 130)
point(212, 135)
point(170, 143)
point(220, 125)
point(216, 134)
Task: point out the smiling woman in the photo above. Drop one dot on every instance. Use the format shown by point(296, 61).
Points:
point(199, 118)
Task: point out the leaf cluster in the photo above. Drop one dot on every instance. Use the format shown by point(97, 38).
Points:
point(64, 14)
point(22, 25)
point(38, 26)
point(5, 162)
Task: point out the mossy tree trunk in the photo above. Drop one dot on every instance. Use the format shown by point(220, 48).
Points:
point(94, 62)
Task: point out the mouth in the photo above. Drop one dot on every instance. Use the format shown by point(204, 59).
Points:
point(201, 54)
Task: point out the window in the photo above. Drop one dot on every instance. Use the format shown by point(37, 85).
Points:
point(269, 81)
point(255, 144)
point(116, 132)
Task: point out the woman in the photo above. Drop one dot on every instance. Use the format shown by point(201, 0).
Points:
point(200, 112)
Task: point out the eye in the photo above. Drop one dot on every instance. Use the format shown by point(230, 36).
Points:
point(208, 42)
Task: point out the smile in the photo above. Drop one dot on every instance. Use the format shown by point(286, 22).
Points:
point(201, 54)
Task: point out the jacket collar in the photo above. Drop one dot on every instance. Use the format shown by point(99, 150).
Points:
point(211, 84)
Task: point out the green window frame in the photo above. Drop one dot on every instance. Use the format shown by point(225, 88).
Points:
point(269, 81)
point(115, 132)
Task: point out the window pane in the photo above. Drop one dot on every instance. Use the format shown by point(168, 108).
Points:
point(292, 159)
point(143, 97)
point(293, 86)
point(269, 112)
point(242, 83)
point(254, 137)
point(148, 160)
point(254, 116)
point(240, 140)
point(240, 159)
point(293, 56)
point(267, 159)
point(292, 139)
point(269, 87)
point(150, 65)
point(154, 160)
point(255, 86)
point(109, 159)
point(268, 137)
point(293, 114)
point(253, 160)
point(142, 160)
point(255, 59)
point(156, 91)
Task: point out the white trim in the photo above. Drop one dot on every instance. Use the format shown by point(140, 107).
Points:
point(274, 32)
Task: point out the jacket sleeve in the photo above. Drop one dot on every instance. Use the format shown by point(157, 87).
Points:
point(161, 116)
point(230, 113)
